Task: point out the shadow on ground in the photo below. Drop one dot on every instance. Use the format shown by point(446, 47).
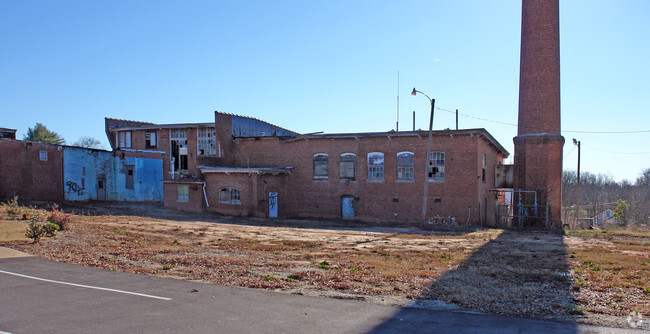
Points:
point(518, 274)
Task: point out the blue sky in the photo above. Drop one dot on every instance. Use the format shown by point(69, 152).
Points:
point(324, 66)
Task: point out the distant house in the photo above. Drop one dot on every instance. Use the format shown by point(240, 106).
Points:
point(244, 166)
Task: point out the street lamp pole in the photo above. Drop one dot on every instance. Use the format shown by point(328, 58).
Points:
point(426, 160)
point(577, 143)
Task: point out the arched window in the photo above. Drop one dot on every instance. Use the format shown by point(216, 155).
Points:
point(346, 166)
point(484, 168)
point(405, 164)
point(436, 167)
point(375, 166)
point(320, 166)
point(229, 196)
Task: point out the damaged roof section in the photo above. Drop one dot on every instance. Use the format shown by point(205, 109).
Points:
point(246, 170)
point(243, 126)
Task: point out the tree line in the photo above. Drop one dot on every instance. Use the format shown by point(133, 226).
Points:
point(41, 134)
point(599, 192)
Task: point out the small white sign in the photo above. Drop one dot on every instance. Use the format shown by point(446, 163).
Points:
point(43, 155)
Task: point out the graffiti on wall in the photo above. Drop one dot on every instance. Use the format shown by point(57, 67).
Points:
point(74, 187)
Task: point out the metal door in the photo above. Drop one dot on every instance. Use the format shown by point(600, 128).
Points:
point(101, 189)
point(273, 205)
point(347, 207)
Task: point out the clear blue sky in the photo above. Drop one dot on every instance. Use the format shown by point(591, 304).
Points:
point(324, 66)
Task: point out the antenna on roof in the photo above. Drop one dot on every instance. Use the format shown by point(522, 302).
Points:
point(397, 122)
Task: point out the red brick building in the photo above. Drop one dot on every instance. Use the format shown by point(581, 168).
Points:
point(244, 166)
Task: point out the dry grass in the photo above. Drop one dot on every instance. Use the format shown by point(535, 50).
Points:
point(522, 273)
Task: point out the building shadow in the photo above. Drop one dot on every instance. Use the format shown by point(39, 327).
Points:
point(500, 286)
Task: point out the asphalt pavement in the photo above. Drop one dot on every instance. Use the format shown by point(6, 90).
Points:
point(41, 296)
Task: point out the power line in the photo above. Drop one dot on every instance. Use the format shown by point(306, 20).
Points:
point(608, 151)
point(563, 131)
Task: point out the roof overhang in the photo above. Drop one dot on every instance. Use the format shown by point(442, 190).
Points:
point(246, 170)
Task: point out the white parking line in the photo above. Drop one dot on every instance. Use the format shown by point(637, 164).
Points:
point(84, 286)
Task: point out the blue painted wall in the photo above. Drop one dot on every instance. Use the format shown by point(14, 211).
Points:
point(82, 168)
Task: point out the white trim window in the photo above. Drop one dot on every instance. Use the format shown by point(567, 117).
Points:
point(347, 163)
point(206, 143)
point(436, 167)
point(375, 166)
point(229, 196)
point(124, 139)
point(150, 139)
point(320, 166)
point(405, 169)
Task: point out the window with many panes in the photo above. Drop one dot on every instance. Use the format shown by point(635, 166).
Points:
point(375, 166)
point(436, 167)
point(124, 139)
point(178, 156)
point(405, 170)
point(320, 166)
point(229, 196)
point(183, 193)
point(346, 166)
point(206, 142)
point(150, 139)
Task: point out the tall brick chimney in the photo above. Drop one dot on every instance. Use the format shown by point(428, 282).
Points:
point(538, 145)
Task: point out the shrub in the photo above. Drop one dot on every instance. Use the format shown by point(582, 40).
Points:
point(50, 229)
point(35, 231)
point(13, 209)
point(59, 218)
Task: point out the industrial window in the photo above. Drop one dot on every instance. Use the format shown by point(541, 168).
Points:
point(229, 196)
point(436, 167)
point(484, 167)
point(124, 139)
point(320, 166)
point(178, 139)
point(375, 166)
point(130, 176)
point(346, 165)
point(150, 139)
point(405, 169)
point(206, 143)
point(183, 191)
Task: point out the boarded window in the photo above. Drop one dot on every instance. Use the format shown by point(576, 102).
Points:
point(124, 139)
point(347, 162)
point(229, 196)
point(130, 177)
point(183, 191)
point(320, 166)
point(206, 142)
point(375, 166)
point(405, 162)
point(150, 139)
point(436, 167)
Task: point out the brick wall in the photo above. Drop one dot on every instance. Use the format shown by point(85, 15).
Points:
point(23, 173)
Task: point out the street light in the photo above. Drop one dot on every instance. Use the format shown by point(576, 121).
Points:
point(426, 169)
point(577, 143)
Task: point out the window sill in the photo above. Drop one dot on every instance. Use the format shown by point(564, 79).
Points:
point(405, 180)
point(374, 180)
point(321, 179)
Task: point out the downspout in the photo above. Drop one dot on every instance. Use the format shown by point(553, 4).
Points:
point(205, 196)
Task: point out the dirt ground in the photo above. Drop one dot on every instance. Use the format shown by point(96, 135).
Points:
point(598, 277)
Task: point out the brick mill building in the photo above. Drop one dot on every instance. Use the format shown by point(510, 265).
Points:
point(243, 166)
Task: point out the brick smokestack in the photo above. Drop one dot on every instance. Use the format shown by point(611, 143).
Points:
point(538, 145)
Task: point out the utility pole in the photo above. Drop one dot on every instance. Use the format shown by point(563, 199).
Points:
point(456, 119)
point(577, 143)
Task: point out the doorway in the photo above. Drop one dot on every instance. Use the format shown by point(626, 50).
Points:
point(273, 205)
point(101, 189)
point(347, 207)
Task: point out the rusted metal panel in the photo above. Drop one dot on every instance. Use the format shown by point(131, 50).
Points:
point(504, 176)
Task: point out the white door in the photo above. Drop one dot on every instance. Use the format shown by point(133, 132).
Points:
point(273, 205)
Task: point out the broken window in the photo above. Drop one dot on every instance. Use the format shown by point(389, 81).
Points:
point(124, 139)
point(130, 176)
point(320, 166)
point(183, 193)
point(436, 167)
point(346, 165)
point(375, 166)
point(178, 139)
point(229, 196)
point(484, 168)
point(405, 170)
point(206, 143)
point(150, 139)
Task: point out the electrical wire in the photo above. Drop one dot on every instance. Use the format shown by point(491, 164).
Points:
point(563, 131)
point(608, 151)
